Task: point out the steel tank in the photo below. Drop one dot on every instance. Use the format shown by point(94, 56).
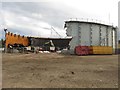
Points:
point(90, 34)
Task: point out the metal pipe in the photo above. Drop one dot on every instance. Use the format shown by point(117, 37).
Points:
point(100, 36)
point(90, 34)
point(112, 37)
point(107, 36)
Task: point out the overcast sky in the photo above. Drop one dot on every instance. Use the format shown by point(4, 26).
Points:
point(37, 18)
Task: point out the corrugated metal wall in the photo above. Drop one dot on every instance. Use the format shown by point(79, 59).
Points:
point(90, 34)
point(16, 39)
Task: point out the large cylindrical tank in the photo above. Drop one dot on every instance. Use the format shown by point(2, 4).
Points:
point(90, 34)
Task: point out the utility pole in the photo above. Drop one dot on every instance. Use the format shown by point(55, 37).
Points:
point(5, 29)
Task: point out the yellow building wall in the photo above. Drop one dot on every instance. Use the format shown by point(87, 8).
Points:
point(13, 38)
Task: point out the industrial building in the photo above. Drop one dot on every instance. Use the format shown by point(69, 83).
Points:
point(14, 41)
point(83, 38)
point(91, 34)
point(46, 43)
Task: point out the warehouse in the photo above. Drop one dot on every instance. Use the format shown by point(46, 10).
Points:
point(91, 34)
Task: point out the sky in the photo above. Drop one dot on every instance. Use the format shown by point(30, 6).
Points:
point(38, 18)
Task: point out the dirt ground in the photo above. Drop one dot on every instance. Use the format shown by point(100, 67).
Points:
point(59, 71)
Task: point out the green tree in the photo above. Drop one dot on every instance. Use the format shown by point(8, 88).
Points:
point(2, 43)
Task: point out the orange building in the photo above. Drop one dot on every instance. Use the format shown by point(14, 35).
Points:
point(12, 39)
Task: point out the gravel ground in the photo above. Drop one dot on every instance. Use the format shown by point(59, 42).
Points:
point(59, 71)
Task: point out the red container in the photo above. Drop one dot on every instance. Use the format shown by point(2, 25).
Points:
point(81, 50)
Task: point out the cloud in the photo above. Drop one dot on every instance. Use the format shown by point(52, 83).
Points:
point(32, 18)
point(17, 16)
